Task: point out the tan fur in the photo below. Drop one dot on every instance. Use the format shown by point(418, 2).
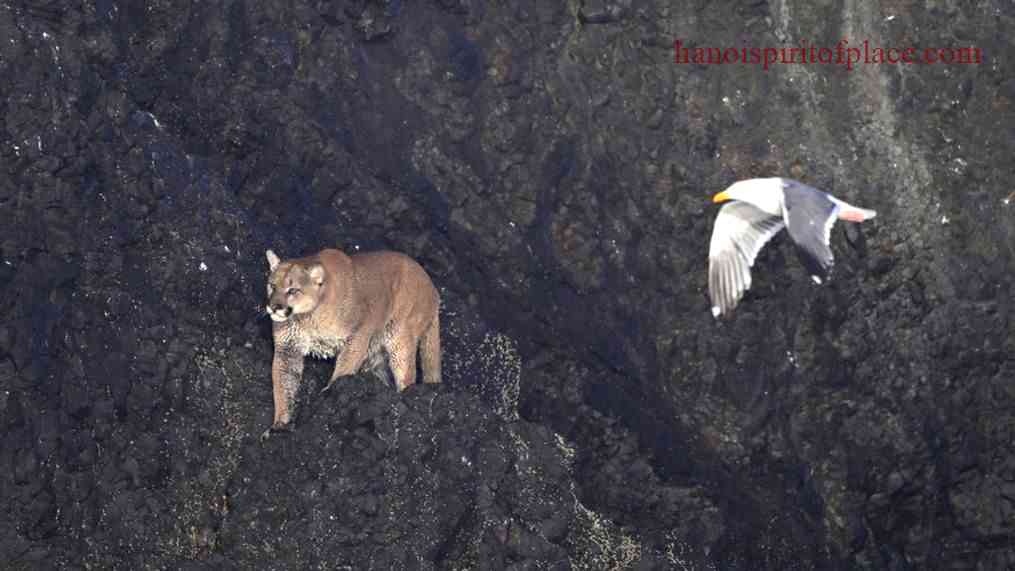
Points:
point(361, 308)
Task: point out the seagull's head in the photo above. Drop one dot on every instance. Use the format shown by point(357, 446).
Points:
point(765, 193)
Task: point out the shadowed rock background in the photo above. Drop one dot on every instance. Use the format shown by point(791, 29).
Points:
point(550, 165)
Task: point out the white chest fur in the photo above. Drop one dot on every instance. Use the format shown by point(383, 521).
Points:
point(321, 346)
point(310, 343)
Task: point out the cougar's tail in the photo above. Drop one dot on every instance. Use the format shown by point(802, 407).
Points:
point(430, 350)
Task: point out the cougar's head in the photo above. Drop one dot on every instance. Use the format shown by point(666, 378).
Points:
point(294, 288)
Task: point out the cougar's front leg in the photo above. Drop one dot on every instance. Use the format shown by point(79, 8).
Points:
point(350, 359)
point(286, 374)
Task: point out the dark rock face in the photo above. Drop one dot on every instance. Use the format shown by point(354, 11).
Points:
point(550, 165)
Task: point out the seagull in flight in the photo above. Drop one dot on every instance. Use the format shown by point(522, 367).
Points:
point(755, 211)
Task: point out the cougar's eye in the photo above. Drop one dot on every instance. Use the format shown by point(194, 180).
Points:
point(293, 291)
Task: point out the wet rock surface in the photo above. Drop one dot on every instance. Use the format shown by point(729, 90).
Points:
point(550, 165)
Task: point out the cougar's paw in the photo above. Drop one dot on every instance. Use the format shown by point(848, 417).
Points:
point(276, 427)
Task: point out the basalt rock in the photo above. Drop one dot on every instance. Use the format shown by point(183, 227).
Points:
point(550, 164)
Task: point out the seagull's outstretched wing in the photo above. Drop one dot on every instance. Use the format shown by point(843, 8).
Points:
point(810, 215)
point(740, 231)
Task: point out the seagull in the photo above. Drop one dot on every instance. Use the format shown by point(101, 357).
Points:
point(757, 210)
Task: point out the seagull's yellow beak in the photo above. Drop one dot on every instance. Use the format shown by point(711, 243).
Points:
point(721, 197)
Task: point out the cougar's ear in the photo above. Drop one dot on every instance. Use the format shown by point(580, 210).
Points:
point(272, 260)
point(316, 272)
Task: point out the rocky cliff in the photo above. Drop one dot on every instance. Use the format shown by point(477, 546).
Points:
point(550, 164)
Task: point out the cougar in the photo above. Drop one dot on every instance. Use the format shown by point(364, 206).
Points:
point(359, 309)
